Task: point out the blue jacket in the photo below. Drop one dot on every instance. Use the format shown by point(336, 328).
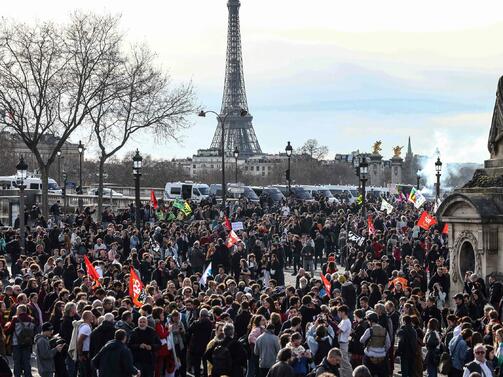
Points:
point(458, 349)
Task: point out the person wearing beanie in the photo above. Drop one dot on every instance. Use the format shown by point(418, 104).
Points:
point(45, 354)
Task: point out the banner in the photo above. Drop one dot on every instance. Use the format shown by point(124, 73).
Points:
point(178, 203)
point(385, 206)
point(417, 198)
point(426, 221)
point(233, 239)
point(355, 238)
point(326, 284)
point(153, 199)
point(136, 290)
point(91, 271)
point(186, 209)
point(205, 275)
point(237, 226)
point(437, 205)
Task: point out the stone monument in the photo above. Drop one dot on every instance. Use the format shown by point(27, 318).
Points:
point(475, 212)
point(396, 166)
point(376, 174)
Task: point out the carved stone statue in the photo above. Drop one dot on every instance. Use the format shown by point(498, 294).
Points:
point(376, 148)
point(397, 151)
point(495, 142)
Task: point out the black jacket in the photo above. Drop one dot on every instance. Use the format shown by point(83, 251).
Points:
point(281, 369)
point(238, 355)
point(114, 359)
point(200, 335)
point(325, 367)
point(100, 336)
point(147, 336)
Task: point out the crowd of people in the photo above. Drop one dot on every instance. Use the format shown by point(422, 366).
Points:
point(360, 300)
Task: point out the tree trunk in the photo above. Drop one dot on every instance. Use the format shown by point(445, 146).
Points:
point(101, 171)
point(44, 170)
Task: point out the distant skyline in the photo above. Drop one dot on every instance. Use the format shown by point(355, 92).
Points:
point(347, 74)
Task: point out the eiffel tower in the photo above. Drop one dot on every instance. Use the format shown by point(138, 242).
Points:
point(239, 130)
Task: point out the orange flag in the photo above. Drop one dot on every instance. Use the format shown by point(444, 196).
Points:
point(233, 239)
point(326, 283)
point(91, 271)
point(153, 199)
point(446, 229)
point(426, 221)
point(136, 290)
point(227, 223)
point(372, 229)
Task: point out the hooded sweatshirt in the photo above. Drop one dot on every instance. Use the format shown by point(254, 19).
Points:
point(45, 354)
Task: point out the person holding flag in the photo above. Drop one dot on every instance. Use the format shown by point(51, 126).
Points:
point(91, 271)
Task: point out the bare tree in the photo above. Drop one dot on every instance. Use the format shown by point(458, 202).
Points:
point(50, 78)
point(143, 100)
point(313, 149)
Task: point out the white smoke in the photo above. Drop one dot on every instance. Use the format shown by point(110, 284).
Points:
point(450, 150)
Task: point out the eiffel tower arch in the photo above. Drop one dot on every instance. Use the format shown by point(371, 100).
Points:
point(239, 130)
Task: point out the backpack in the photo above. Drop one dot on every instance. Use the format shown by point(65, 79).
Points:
point(244, 342)
point(222, 360)
point(25, 336)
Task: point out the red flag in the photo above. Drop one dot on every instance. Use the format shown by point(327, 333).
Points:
point(136, 290)
point(326, 283)
point(91, 271)
point(233, 239)
point(153, 199)
point(445, 230)
point(372, 229)
point(227, 223)
point(426, 221)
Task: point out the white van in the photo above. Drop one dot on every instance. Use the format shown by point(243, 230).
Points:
point(321, 191)
point(347, 194)
point(186, 190)
point(30, 183)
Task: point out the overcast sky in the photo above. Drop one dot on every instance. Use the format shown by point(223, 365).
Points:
point(345, 73)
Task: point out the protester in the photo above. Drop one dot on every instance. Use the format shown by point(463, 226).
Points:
point(190, 296)
point(44, 352)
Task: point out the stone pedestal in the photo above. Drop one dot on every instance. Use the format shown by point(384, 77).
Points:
point(475, 218)
point(396, 170)
point(376, 173)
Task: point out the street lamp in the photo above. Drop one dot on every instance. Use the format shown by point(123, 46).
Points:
point(364, 168)
point(418, 179)
point(236, 155)
point(22, 173)
point(221, 120)
point(58, 153)
point(356, 166)
point(288, 151)
point(438, 168)
point(81, 149)
point(65, 178)
point(137, 160)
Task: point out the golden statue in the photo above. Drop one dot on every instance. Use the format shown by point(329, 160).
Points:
point(397, 151)
point(376, 148)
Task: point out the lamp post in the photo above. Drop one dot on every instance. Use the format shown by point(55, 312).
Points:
point(236, 155)
point(288, 151)
point(356, 166)
point(59, 166)
point(65, 178)
point(22, 172)
point(81, 149)
point(418, 179)
point(438, 168)
point(364, 168)
point(221, 120)
point(137, 161)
